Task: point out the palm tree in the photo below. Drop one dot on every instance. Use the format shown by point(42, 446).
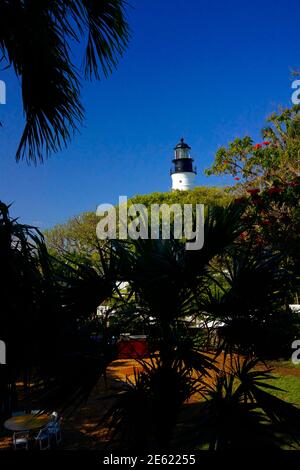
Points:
point(44, 312)
point(166, 281)
point(169, 284)
point(21, 287)
point(241, 412)
point(36, 39)
point(248, 295)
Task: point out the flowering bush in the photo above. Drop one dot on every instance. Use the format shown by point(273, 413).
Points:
point(255, 165)
point(276, 215)
point(257, 146)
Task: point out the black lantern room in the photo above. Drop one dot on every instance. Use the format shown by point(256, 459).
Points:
point(183, 161)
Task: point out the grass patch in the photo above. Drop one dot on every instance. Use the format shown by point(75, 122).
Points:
point(291, 385)
point(288, 364)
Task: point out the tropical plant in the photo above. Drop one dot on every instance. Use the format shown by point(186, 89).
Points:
point(44, 314)
point(258, 165)
point(249, 294)
point(76, 238)
point(240, 411)
point(23, 296)
point(267, 176)
point(165, 285)
point(276, 213)
point(145, 415)
point(167, 281)
point(36, 40)
point(78, 234)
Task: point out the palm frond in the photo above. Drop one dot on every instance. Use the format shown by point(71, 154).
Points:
point(35, 39)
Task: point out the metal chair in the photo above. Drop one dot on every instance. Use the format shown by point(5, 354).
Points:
point(21, 440)
point(43, 438)
point(54, 427)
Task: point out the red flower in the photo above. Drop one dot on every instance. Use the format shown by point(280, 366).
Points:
point(237, 178)
point(244, 235)
point(266, 222)
point(274, 190)
point(253, 192)
point(266, 142)
point(257, 146)
point(225, 162)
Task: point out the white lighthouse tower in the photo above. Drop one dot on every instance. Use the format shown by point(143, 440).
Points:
point(183, 172)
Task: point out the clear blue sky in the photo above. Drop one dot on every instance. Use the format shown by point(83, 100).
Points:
point(206, 70)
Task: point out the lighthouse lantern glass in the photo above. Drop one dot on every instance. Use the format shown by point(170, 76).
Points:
point(182, 153)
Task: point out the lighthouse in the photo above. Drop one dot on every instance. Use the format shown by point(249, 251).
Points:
point(183, 172)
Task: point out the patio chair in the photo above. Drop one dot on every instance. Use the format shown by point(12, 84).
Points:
point(54, 428)
point(21, 440)
point(43, 439)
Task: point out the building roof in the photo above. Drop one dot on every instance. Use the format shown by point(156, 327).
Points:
point(182, 145)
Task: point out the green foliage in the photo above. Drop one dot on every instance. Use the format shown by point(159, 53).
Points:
point(228, 280)
point(241, 411)
point(77, 236)
point(35, 40)
point(275, 215)
point(199, 195)
point(26, 295)
point(249, 293)
point(145, 415)
point(259, 164)
point(165, 280)
point(289, 386)
point(44, 313)
point(269, 172)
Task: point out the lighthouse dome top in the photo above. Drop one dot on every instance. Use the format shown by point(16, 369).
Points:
point(182, 145)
